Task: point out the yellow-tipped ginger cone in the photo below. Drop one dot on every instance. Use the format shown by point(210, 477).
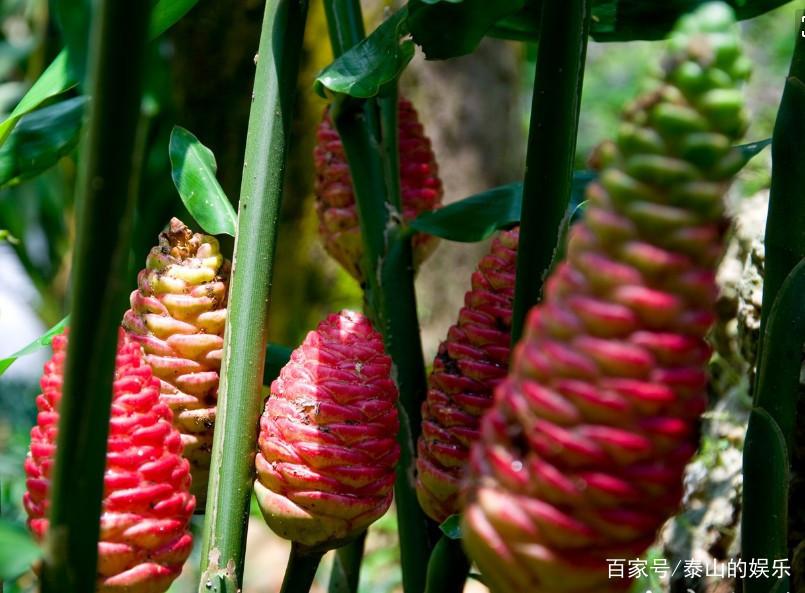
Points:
point(178, 316)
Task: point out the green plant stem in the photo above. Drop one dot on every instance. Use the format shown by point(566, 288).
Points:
point(368, 130)
point(344, 23)
point(564, 27)
point(345, 26)
point(770, 439)
point(448, 567)
point(103, 235)
point(391, 304)
point(785, 237)
point(240, 397)
point(301, 569)
point(770, 434)
point(346, 571)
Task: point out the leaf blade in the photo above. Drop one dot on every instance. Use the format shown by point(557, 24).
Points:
point(367, 67)
point(42, 341)
point(40, 139)
point(193, 171)
point(18, 550)
point(59, 78)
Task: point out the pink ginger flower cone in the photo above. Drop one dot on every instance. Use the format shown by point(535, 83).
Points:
point(145, 519)
point(335, 201)
point(466, 370)
point(582, 454)
point(327, 446)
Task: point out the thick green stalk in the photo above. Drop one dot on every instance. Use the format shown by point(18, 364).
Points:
point(448, 567)
point(301, 569)
point(240, 396)
point(770, 444)
point(346, 572)
point(551, 146)
point(345, 24)
point(785, 225)
point(103, 236)
point(391, 303)
point(770, 434)
point(368, 130)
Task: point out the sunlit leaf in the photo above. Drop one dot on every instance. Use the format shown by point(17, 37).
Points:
point(8, 237)
point(193, 170)
point(40, 140)
point(59, 77)
point(18, 550)
point(55, 80)
point(42, 341)
point(374, 62)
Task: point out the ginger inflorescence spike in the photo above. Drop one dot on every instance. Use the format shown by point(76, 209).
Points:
point(468, 366)
point(328, 436)
point(581, 457)
point(178, 315)
point(146, 508)
point(421, 189)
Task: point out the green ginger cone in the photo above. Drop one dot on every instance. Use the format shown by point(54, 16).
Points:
point(581, 457)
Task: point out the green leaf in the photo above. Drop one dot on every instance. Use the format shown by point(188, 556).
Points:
point(59, 77)
point(476, 218)
point(193, 170)
point(752, 149)
point(5, 235)
point(42, 341)
point(167, 13)
point(18, 550)
point(374, 62)
point(449, 29)
point(624, 20)
point(765, 494)
point(55, 80)
point(74, 18)
point(451, 527)
point(277, 356)
point(40, 140)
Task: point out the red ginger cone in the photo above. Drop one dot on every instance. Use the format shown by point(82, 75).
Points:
point(327, 447)
point(582, 454)
point(335, 201)
point(178, 315)
point(468, 367)
point(145, 517)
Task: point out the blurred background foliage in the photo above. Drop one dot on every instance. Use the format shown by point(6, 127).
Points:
point(474, 108)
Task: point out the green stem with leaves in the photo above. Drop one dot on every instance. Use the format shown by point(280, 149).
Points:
point(770, 440)
point(368, 130)
point(240, 396)
point(564, 28)
point(345, 27)
point(103, 236)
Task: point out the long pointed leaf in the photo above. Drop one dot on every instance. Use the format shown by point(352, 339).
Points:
point(40, 140)
point(193, 170)
point(58, 78)
point(42, 341)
